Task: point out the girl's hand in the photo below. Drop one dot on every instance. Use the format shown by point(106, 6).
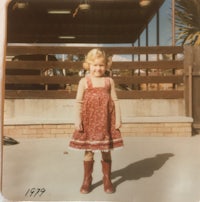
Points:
point(118, 125)
point(78, 127)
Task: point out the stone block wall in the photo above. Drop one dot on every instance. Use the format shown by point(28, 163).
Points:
point(167, 129)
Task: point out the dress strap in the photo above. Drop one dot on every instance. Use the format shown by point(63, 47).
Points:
point(107, 82)
point(89, 82)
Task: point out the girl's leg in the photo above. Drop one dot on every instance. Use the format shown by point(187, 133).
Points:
point(106, 168)
point(88, 168)
point(89, 155)
point(106, 156)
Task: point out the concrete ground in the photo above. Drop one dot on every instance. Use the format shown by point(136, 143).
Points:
point(147, 169)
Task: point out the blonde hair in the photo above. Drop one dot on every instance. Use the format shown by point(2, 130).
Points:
point(94, 54)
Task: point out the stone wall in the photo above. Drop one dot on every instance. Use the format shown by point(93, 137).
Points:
point(167, 129)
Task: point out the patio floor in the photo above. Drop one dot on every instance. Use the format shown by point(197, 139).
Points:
point(147, 169)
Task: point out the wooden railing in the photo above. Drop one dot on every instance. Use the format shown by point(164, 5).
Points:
point(137, 77)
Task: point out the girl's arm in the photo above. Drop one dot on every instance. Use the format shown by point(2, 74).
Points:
point(78, 104)
point(117, 105)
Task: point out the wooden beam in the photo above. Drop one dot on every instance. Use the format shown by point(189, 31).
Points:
point(3, 41)
point(38, 49)
point(63, 94)
point(78, 65)
point(150, 94)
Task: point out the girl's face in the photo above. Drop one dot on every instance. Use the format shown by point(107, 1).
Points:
point(98, 67)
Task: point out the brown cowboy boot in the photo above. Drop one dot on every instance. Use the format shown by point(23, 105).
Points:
point(106, 168)
point(87, 181)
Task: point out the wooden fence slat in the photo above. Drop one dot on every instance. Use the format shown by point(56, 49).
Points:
point(149, 79)
point(148, 65)
point(42, 65)
point(42, 79)
point(175, 94)
point(78, 65)
point(20, 50)
point(64, 94)
point(74, 79)
point(40, 94)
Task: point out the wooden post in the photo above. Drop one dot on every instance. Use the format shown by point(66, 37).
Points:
point(192, 83)
point(190, 90)
point(3, 44)
point(188, 57)
point(173, 22)
point(195, 88)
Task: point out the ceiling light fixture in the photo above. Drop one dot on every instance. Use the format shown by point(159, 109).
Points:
point(20, 5)
point(66, 37)
point(83, 6)
point(144, 3)
point(59, 11)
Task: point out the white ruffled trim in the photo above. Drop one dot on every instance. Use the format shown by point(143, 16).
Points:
point(96, 150)
point(96, 141)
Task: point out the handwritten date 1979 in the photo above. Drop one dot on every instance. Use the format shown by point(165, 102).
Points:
point(33, 192)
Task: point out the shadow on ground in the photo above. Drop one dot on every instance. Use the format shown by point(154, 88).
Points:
point(139, 169)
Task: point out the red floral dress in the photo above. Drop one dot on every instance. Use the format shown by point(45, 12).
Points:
point(98, 121)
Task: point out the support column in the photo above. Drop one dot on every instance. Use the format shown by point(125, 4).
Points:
point(192, 83)
point(173, 22)
point(3, 44)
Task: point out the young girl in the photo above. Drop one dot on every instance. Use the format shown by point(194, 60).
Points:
point(97, 118)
